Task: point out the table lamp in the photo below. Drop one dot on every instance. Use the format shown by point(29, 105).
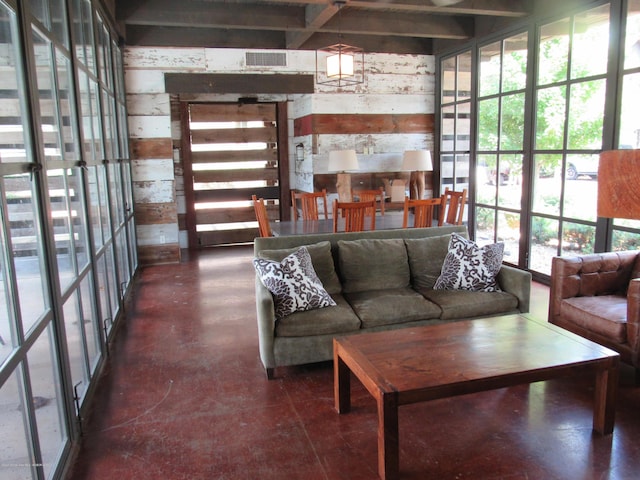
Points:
point(418, 162)
point(342, 161)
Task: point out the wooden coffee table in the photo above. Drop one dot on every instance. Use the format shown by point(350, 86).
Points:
point(410, 365)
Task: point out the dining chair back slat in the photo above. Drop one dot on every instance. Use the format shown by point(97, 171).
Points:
point(309, 204)
point(422, 211)
point(261, 215)
point(453, 204)
point(354, 215)
point(371, 195)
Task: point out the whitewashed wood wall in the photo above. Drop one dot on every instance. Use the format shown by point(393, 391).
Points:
point(395, 84)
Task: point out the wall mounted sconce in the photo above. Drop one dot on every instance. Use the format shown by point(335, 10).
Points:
point(300, 153)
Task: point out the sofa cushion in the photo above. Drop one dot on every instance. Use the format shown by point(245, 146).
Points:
point(391, 306)
point(468, 266)
point(602, 314)
point(467, 304)
point(371, 264)
point(293, 283)
point(338, 319)
point(321, 258)
point(426, 256)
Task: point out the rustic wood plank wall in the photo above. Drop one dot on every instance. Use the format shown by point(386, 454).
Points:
point(391, 112)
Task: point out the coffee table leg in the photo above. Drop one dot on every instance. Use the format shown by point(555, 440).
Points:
point(341, 385)
point(605, 399)
point(388, 450)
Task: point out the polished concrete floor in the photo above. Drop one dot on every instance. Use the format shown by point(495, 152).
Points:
point(185, 397)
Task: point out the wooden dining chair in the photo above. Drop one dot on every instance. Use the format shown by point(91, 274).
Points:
point(261, 215)
point(422, 211)
point(309, 204)
point(354, 215)
point(452, 207)
point(369, 195)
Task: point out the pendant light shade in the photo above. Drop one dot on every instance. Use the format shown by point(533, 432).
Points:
point(339, 65)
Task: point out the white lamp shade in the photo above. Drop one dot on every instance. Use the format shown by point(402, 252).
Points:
point(340, 65)
point(417, 160)
point(342, 160)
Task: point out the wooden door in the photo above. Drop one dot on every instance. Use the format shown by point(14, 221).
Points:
point(232, 153)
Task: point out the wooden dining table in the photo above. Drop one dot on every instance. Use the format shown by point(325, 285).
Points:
point(303, 227)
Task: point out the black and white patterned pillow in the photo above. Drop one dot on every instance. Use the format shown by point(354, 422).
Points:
point(470, 267)
point(293, 283)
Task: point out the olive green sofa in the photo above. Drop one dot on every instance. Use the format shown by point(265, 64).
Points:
point(379, 280)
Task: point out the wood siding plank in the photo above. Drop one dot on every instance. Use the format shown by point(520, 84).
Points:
point(239, 83)
point(142, 148)
point(207, 112)
point(354, 124)
point(236, 135)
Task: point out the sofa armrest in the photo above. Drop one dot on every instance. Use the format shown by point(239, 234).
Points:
point(266, 317)
point(633, 316)
point(518, 283)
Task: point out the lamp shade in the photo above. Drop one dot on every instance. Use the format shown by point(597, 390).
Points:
point(340, 65)
point(618, 180)
point(342, 161)
point(417, 160)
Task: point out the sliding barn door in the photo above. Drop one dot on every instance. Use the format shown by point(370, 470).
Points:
point(232, 154)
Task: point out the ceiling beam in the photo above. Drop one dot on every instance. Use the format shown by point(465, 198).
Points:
point(401, 24)
point(316, 16)
point(188, 13)
point(145, 35)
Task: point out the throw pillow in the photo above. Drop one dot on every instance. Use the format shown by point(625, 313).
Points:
point(293, 283)
point(470, 267)
point(322, 261)
point(426, 256)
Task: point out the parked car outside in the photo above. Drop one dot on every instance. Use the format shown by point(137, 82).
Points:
point(582, 166)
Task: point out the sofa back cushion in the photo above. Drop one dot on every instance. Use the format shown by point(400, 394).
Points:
point(426, 256)
point(372, 264)
point(322, 261)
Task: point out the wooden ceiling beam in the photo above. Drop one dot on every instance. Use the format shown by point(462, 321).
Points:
point(316, 16)
point(188, 13)
point(359, 22)
point(144, 35)
point(500, 8)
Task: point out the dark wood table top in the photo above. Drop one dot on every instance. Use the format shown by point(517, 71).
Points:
point(447, 359)
point(418, 364)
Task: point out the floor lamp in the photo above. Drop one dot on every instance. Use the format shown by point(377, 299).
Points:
point(342, 161)
point(618, 180)
point(418, 162)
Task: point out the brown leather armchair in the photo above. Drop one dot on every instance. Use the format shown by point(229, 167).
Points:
point(597, 296)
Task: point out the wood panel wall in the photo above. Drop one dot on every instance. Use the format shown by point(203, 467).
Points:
point(393, 111)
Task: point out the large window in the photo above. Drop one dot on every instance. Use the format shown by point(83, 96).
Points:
point(455, 127)
point(500, 142)
point(540, 125)
point(625, 232)
point(570, 89)
point(66, 225)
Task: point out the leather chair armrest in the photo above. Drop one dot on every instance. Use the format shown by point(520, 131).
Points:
point(565, 283)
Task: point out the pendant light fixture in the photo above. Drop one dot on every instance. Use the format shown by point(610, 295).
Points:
point(339, 65)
